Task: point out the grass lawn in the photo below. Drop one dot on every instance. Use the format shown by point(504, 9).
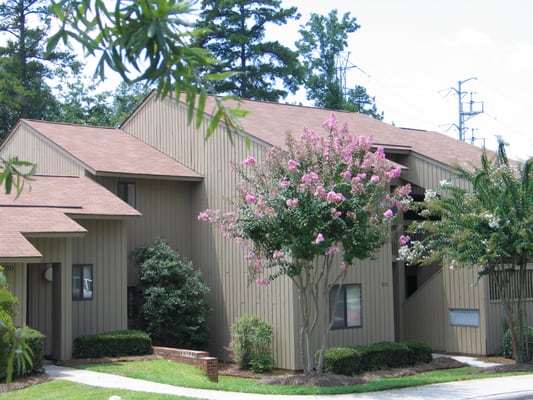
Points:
point(172, 373)
point(64, 390)
point(177, 374)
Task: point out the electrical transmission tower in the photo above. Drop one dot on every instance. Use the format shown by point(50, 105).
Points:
point(467, 109)
point(342, 65)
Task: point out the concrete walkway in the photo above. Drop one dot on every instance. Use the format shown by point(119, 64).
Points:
point(514, 387)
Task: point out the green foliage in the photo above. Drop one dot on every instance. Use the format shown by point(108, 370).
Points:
point(418, 351)
point(25, 71)
point(112, 344)
point(83, 104)
point(352, 361)
point(15, 351)
point(342, 360)
point(507, 348)
point(234, 31)
point(14, 173)
point(34, 341)
point(323, 40)
point(483, 217)
point(7, 338)
point(385, 355)
point(308, 211)
point(146, 41)
point(174, 305)
point(251, 344)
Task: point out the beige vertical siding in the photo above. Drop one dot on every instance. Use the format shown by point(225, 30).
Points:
point(424, 314)
point(104, 247)
point(463, 293)
point(497, 322)
point(29, 146)
point(162, 124)
point(16, 275)
point(166, 213)
point(377, 309)
point(59, 251)
point(40, 303)
point(424, 172)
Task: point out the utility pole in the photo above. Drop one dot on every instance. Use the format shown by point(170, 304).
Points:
point(467, 110)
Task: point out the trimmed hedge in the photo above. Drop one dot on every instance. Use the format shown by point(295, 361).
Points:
point(352, 361)
point(419, 351)
point(113, 344)
point(342, 360)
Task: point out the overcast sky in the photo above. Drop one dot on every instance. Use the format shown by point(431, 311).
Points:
point(414, 51)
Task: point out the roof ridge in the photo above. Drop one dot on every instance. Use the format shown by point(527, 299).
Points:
point(70, 124)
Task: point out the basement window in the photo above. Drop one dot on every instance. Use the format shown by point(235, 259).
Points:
point(345, 306)
point(464, 317)
point(82, 282)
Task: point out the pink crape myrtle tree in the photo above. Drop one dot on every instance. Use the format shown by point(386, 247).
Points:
point(308, 211)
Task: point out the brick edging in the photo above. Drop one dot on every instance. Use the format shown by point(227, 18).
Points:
point(209, 365)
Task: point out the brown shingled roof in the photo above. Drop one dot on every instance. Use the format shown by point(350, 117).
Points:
point(269, 122)
point(45, 207)
point(30, 221)
point(110, 151)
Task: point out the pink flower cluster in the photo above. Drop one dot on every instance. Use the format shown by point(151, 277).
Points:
point(335, 197)
point(250, 198)
point(293, 165)
point(332, 250)
point(291, 202)
point(310, 178)
point(394, 173)
point(284, 183)
point(249, 161)
point(404, 239)
point(317, 178)
point(262, 281)
point(335, 214)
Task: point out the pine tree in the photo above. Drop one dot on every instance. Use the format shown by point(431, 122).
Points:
point(235, 34)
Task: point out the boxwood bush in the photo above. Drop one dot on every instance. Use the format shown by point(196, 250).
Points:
point(383, 355)
point(418, 351)
point(342, 360)
point(112, 344)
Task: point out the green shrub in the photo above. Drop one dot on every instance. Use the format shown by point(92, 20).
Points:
point(383, 355)
point(418, 352)
point(251, 344)
point(35, 341)
point(342, 360)
point(112, 344)
point(7, 338)
point(174, 306)
point(508, 346)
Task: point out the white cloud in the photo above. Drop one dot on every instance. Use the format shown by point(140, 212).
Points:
point(472, 38)
point(521, 59)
